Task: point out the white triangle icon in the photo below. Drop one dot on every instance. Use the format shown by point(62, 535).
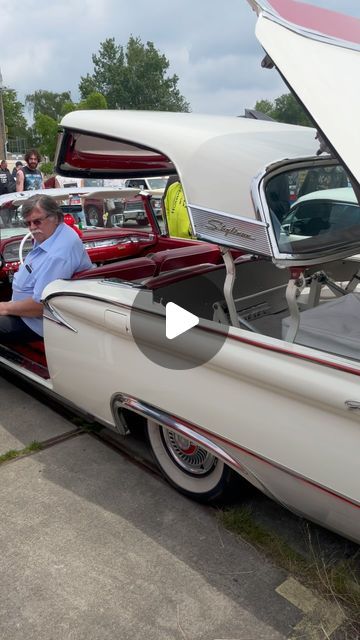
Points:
point(178, 320)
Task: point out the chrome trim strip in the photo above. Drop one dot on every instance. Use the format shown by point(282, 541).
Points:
point(73, 294)
point(54, 316)
point(223, 228)
point(197, 434)
point(175, 424)
point(278, 346)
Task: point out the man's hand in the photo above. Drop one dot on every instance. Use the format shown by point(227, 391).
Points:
point(27, 308)
point(4, 308)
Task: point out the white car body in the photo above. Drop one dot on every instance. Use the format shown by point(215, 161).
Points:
point(281, 412)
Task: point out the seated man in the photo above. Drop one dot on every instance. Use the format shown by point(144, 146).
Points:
point(57, 253)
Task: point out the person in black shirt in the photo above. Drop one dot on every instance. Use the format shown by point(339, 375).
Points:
point(7, 185)
point(29, 178)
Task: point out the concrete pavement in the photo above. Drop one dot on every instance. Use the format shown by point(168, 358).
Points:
point(95, 547)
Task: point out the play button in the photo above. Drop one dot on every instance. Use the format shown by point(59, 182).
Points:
point(174, 324)
point(178, 320)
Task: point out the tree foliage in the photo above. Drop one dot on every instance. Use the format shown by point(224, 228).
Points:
point(285, 108)
point(47, 103)
point(13, 112)
point(133, 78)
point(46, 129)
point(94, 100)
point(44, 132)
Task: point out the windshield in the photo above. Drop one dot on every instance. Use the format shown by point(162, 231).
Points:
point(312, 209)
point(90, 213)
point(157, 183)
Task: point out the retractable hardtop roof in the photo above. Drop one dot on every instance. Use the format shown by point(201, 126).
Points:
point(216, 157)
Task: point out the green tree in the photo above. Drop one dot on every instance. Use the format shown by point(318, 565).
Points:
point(94, 100)
point(15, 120)
point(285, 108)
point(67, 107)
point(47, 103)
point(265, 106)
point(133, 78)
point(46, 129)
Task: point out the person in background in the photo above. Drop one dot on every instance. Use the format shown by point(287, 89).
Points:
point(175, 209)
point(57, 253)
point(7, 185)
point(18, 164)
point(29, 177)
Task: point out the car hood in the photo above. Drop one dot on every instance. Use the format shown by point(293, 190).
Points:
point(317, 52)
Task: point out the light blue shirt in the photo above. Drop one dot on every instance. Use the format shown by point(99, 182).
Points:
point(60, 256)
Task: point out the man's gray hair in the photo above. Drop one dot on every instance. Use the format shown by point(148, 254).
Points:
point(47, 203)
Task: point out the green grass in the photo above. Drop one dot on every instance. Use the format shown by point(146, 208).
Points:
point(339, 581)
point(17, 453)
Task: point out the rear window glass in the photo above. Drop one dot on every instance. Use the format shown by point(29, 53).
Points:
point(313, 209)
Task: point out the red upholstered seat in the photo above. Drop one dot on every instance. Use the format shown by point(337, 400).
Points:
point(161, 262)
point(34, 351)
point(186, 257)
point(133, 269)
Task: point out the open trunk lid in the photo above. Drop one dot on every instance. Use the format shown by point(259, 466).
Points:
point(317, 52)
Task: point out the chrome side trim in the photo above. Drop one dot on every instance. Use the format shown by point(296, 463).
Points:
point(174, 423)
point(54, 316)
point(352, 405)
point(193, 432)
point(230, 230)
point(73, 294)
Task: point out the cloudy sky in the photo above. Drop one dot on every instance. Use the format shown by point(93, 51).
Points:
point(210, 45)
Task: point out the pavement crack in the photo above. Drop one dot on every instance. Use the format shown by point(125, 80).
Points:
point(34, 447)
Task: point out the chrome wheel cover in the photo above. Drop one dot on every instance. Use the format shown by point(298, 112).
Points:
point(189, 456)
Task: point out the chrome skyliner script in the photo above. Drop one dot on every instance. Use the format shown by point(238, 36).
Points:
point(217, 225)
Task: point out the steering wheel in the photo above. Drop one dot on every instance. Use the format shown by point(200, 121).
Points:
point(21, 247)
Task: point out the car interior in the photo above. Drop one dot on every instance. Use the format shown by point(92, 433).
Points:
point(307, 308)
point(259, 294)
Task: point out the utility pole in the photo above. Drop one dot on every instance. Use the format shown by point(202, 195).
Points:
point(3, 136)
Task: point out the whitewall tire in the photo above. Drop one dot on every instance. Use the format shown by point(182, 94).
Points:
point(189, 467)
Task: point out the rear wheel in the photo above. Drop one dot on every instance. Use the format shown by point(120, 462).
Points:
point(189, 467)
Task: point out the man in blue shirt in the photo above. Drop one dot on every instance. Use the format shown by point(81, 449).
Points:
point(57, 253)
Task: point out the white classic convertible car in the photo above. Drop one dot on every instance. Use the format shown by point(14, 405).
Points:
point(250, 364)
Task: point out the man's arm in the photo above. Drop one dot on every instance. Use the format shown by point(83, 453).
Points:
point(27, 308)
point(20, 181)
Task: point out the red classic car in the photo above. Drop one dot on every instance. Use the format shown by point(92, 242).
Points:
point(117, 240)
point(116, 211)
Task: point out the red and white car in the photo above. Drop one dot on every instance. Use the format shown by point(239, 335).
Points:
point(265, 383)
point(111, 242)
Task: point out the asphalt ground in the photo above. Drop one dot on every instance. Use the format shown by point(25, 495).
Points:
point(96, 546)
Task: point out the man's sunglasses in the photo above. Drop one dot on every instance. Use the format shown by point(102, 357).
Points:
point(37, 222)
